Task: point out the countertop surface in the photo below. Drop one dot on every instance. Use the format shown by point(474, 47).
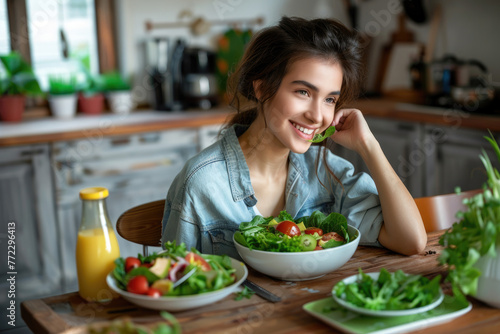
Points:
point(50, 129)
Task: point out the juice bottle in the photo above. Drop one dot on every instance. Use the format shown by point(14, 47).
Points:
point(96, 247)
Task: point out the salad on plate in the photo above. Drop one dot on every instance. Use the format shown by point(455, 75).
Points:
point(156, 275)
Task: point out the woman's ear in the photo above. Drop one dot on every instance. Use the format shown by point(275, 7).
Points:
point(256, 89)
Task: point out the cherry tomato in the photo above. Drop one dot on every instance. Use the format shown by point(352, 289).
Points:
point(138, 284)
point(196, 259)
point(289, 228)
point(147, 265)
point(312, 230)
point(131, 263)
point(334, 236)
point(155, 293)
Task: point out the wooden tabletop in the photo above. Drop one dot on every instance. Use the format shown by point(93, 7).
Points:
point(255, 315)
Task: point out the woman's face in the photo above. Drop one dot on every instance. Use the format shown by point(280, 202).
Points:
point(304, 103)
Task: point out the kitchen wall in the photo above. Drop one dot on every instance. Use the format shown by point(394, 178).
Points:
point(468, 29)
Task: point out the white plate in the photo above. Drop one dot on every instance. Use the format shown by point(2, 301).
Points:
point(384, 313)
point(179, 303)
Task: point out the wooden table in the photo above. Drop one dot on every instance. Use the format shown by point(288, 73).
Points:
point(255, 315)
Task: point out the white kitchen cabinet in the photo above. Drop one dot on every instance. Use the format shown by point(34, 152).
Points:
point(453, 159)
point(26, 203)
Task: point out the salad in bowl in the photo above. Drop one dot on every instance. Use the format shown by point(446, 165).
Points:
point(296, 249)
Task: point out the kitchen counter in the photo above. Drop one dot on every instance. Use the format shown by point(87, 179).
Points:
point(49, 129)
point(427, 114)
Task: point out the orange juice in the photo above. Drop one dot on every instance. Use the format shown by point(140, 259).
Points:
point(96, 251)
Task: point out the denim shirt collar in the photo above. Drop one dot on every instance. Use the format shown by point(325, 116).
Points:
point(297, 190)
point(237, 168)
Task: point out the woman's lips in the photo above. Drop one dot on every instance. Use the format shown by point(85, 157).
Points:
point(304, 132)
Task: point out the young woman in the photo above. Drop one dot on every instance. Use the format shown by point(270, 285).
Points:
point(290, 85)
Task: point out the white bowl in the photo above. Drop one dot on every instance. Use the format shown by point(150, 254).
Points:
point(300, 266)
point(384, 313)
point(179, 303)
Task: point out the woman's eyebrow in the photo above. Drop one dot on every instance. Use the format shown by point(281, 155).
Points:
point(313, 87)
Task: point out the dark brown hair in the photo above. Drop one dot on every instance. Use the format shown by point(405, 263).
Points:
point(272, 51)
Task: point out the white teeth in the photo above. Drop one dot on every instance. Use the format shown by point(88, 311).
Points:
point(302, 129)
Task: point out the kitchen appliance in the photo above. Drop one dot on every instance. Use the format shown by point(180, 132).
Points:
point(199, 84)
point(182, 77)
point(165, 73)
point(463, 84)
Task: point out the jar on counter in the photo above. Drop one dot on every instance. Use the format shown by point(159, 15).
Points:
point(97, 246)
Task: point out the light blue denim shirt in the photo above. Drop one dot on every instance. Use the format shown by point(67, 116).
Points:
point(213, 194)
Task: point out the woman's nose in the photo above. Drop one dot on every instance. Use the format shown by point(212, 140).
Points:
point(314, 112)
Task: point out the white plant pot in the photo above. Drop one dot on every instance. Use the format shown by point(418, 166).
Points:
point(120, 102)
point(63, 106)
point(488, 286)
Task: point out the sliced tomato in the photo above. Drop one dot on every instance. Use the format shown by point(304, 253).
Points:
point(155, 293)
point(289, 228)
point(312, 230)
point(197, 260)
point(334, 236)
point(131, 263)
point(138, 284)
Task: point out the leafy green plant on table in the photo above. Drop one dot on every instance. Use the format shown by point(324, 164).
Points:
point(18, 77)
point(477, 233)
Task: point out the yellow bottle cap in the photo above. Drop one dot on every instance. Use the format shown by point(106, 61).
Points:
point(94, 193)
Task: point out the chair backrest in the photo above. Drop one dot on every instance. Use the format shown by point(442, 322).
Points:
point(439, 212)
point(142, 224)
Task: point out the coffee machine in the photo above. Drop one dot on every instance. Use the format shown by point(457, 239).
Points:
point(199, 83)
point(164, 73)
point(182, 77)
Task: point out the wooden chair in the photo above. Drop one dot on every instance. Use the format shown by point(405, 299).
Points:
point(142, 224)
point(439, 212)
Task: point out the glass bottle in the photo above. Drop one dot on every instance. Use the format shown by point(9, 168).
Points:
point(96, 247)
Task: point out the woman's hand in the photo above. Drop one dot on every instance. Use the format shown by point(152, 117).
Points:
point(352, 131)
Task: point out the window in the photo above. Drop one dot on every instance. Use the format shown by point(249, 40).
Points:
point(4, 29)
point(62, 37)
point(87, 36)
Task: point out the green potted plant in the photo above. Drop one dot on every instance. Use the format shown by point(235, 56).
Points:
point(17, 81)
point(472, 245)
point(62, 95)
point(90, 96)
point(118, 93)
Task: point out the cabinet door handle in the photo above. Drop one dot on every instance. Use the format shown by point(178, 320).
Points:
point(406, 127)
point(29, 153)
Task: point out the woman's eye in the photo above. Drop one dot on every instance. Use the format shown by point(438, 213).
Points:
point(302, 92)
point(331, 100)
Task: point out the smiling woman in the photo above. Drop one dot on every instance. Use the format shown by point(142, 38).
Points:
point(294, 82)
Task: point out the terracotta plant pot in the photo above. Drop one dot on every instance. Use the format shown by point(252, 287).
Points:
point(12, 108)
point(93, 104)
